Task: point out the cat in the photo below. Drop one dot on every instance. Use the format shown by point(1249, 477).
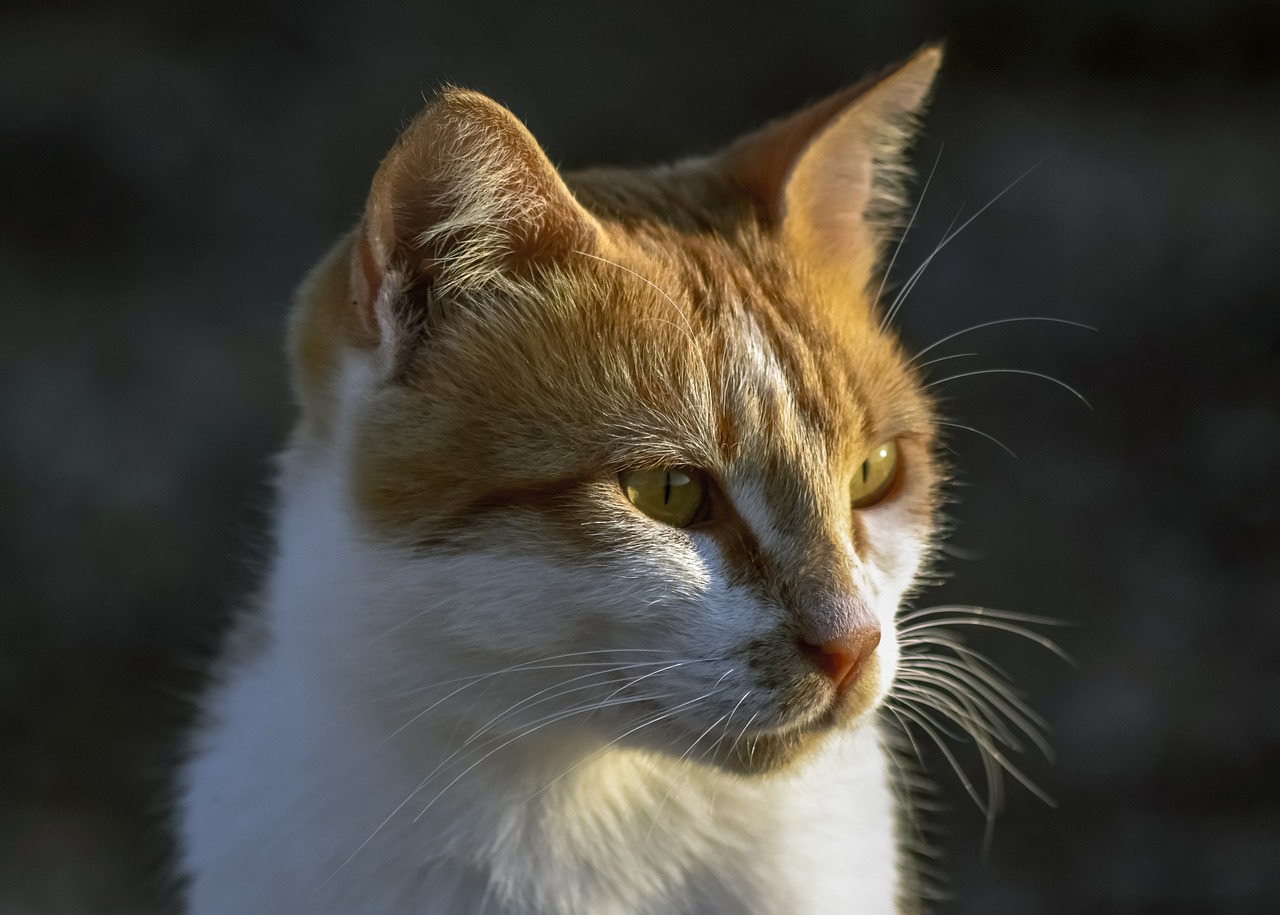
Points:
point(592, 537)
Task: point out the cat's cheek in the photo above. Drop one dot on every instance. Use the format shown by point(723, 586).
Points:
point(897, 537)
point(889, 656)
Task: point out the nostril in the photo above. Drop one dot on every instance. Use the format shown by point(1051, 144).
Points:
point(841, 659)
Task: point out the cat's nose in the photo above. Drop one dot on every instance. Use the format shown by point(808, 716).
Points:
point(843, 658)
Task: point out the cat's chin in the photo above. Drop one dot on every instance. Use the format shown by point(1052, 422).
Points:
point(779, 750)
point(773, 753)
point(782, 748)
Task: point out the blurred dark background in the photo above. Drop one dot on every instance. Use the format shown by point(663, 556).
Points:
point(168, 170)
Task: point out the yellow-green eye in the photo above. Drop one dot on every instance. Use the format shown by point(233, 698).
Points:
point(873, 478)
point(671, 496)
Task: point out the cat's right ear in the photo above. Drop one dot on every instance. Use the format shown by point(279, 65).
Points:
point(465, 201)
point(828, 177)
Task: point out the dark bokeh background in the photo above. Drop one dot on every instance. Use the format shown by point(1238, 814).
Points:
point(169, 170)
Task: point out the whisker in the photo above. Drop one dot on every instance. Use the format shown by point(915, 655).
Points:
point(556, 691)
point(521, 668)
point(978, 674)
point(986, 324)
point(944, 639)
point(990, 438)
point(942, 665)
point(412, 794)
point(611, 744)
point(917, 716)
point(962, 710)
point(994, 704)
point(950, 356)
point(648, 675)
point(888, 271)
point(590, 708)
point(999, 624)
point(711, 804)
point(919, 271)
point(947, 666)
point(683, 758)
point(975, 610)
point(1004, 371)
point(994, 752)
point(901, 297)
point(732, 712)
point(733, 747)
point(970, 691)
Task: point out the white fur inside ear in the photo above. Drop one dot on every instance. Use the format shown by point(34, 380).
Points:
point(390, 333)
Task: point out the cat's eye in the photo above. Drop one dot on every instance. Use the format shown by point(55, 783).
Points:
point(670, 495)
point(874, 477)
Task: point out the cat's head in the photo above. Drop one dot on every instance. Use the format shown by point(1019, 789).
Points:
point(646, 420)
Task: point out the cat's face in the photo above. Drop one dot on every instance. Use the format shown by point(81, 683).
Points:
point(641, 444)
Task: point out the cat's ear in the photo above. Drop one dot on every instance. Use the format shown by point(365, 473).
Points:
point(465, 199)
point(829, 177)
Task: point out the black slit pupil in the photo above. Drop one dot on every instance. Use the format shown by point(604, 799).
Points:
point(666, 488)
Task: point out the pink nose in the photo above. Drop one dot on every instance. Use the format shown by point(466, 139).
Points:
point(842, 658)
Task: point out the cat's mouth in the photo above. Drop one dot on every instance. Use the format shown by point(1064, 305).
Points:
point(793, 724)
point(770, 751)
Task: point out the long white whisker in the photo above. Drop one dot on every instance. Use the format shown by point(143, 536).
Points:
point(975, 660)
point(978, 611)
point(946, 358)
point(990, 438)
point(729, 721)
point(627, 682)
point(422, 784)
point(599, 752)
point(994, 752)
point(944, 665)
point(1000, 624)
point(518, 668)
point(980, 679)
point(919, 718)
point(986, 324)
point(733, 747)
point(875, 303)
point(1004, 371)
point(590, 708)
point(960, 710)
point(919, 271)
point(533, 664)
point(683, 758)
point(901, 297)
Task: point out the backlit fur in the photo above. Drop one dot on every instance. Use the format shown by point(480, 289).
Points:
point(457, 564)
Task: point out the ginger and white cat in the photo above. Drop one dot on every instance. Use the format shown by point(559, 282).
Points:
point(606, 492)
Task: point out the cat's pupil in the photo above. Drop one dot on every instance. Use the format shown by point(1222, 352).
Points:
point(671, 479)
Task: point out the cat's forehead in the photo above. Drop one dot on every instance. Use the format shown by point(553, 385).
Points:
point(701, 329)
point(793, 369)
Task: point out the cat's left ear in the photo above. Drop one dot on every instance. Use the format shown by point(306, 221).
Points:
point(829, 177)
